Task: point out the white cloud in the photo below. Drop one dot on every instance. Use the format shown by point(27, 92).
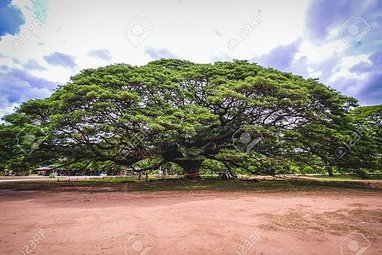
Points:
point(319, 53)
point(187, 29)
point(344, 65)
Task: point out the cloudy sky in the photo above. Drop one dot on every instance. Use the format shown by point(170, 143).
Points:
point(43, 43)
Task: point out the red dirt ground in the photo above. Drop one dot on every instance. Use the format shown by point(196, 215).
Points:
point(184, 223)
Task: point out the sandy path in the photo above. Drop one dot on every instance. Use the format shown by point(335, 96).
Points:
point(183, 223)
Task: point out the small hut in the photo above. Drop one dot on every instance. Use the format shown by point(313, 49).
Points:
point(46, 171)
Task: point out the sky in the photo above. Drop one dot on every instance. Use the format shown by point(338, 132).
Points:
point(43, 43)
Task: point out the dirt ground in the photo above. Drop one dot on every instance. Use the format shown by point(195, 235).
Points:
point(199, 222)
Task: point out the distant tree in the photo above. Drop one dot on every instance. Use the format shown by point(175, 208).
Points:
point(365, 142)
point(371, 118)
point(11, 157)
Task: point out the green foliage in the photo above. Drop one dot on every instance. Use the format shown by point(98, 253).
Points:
point(366, 152)
point(174, 111)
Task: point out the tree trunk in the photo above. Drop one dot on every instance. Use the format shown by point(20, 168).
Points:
point(330, 171)
point(190, 167)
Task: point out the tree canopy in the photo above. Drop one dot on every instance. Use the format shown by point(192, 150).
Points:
point(237, 113)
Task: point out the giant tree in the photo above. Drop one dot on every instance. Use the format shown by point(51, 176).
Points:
point(237, 113)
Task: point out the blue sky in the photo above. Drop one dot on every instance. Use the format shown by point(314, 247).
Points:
point(43, 43)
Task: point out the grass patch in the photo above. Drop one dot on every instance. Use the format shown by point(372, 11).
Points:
point(180, 184)
point(342, 177)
